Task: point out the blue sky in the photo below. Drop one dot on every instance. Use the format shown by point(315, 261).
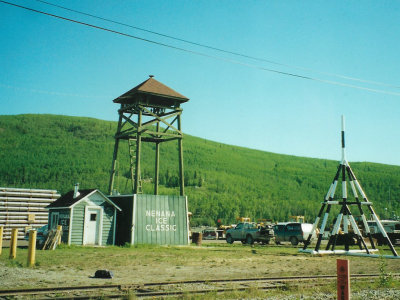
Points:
point(53, 66)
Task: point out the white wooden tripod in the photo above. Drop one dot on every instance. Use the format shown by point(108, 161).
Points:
point(345, 217)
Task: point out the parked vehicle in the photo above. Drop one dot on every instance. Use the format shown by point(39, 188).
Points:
point(221, 231)
point(249, 233)
point(292, 232)
point(41, 235)
point(392, 229)
point(210, 234)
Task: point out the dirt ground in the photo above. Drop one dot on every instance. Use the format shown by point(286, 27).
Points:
point(70, 266)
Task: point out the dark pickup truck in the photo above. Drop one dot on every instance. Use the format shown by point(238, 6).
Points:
point(249, 233)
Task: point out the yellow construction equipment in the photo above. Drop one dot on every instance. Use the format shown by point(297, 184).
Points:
point(243, 219)
point(298, 219)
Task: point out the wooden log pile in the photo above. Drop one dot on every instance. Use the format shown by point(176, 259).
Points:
point(24, 209)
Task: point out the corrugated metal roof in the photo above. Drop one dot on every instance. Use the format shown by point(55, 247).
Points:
point(152, 87)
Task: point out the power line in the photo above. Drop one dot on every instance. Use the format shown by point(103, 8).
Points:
point(203, 54)
point(221, 50)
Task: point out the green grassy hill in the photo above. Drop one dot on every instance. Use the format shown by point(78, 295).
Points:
point(222, 181)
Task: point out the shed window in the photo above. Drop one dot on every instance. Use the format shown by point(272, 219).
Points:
point(93, 217)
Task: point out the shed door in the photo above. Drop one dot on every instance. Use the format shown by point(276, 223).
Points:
point(92, 226)
point(54, 220)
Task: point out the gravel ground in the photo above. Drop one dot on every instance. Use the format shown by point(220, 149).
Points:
point(383, 294)
point(75, 267)
point(25, 275)
point(13, 278)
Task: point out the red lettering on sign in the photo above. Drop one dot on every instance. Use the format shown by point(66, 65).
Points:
point(343, 279)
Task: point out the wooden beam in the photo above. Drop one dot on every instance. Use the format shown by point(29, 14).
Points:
point(128, 108)
point(157, 163)
point(138, 152)
point(127, 134)
point(128, 120)
point(181, 172)
point(173, 121)
point(162, 117)
point(170, 139)
point(161, 120)
point(112, 172)
point(159, 134)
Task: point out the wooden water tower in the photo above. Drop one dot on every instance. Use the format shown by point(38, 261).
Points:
point(150, 112)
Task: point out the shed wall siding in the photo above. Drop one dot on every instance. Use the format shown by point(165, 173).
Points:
point(63, 220)
point(78, 223)
point(108, 224)
point(96, 199)
point(108, 218)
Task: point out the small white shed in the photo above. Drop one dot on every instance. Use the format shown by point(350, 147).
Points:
point(88, 217)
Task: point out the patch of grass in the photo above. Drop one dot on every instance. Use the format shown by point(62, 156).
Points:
point(66, 246)
point(14, 263)
point(385, 278)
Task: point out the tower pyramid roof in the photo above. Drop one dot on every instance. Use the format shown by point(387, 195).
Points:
point(151, 87)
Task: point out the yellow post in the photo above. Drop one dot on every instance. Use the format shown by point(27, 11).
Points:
point(13, 243)
point(59, 229)
point(1, 239)
point(32, 248)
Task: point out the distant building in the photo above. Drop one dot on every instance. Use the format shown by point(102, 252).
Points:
point(88, 217)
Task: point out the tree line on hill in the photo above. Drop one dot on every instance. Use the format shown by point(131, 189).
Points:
point(222, 181)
